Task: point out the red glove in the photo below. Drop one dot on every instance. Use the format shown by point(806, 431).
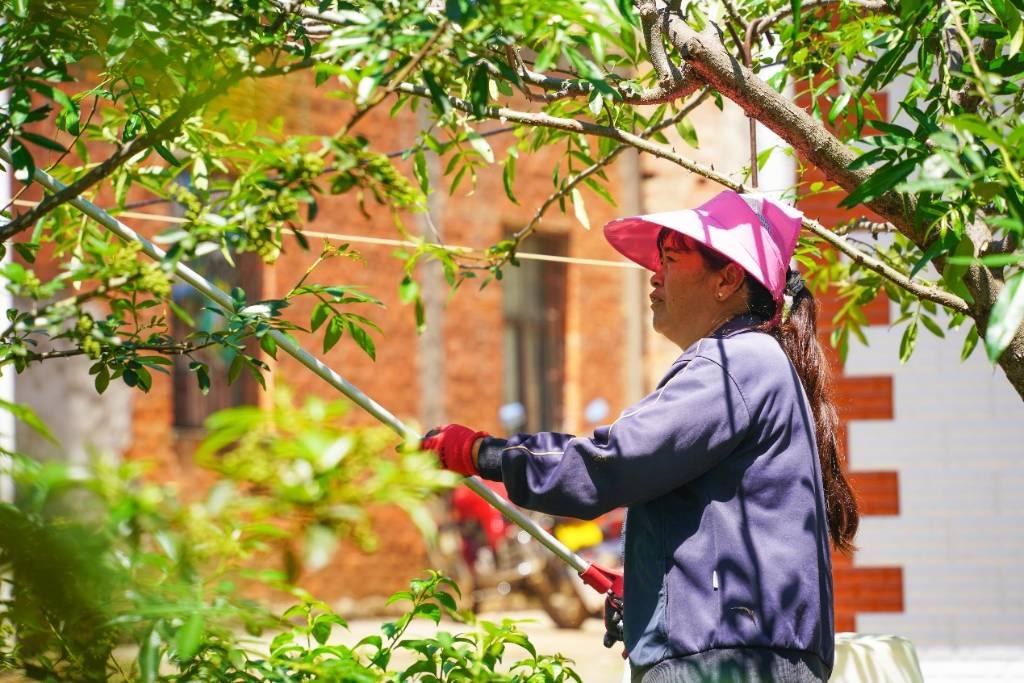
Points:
point(454, 447)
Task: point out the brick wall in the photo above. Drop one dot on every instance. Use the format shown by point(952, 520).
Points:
point(471, 322)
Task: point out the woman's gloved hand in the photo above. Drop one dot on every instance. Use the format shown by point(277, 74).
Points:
point(612, 620)
point(453, 444)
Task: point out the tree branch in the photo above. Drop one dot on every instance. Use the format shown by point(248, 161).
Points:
point(123, 153)
point(805, 134)
point(181, 349)
point(98, 173)
point(939, 296)
point(652, 20)
point(528, 229)
point(565, 88)
point(76, 300)
point(759, 26)
point(397, 77)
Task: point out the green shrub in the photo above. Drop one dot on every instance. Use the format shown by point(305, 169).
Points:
point(109, 575)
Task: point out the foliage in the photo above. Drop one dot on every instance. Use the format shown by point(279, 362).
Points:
point(952, 143)
point(160, 85)
point(113, 576)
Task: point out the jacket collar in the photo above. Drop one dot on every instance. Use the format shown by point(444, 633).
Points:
point(738, 325)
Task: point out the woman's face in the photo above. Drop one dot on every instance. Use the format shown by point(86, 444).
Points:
point(687, 295)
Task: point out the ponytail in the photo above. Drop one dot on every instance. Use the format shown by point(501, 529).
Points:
point(797, 334)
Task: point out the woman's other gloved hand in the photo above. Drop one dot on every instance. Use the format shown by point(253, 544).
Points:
point(612, 620)
point(453, 444)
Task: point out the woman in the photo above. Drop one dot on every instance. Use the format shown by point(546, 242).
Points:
point(730, 468)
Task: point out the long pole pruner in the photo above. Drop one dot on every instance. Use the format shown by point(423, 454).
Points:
point(599, 578)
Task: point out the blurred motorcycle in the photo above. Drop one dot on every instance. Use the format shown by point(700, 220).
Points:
point(490, 557)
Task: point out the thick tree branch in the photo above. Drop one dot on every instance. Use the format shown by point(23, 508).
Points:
point(937, 295)
point(808, 136)
point(653, 22)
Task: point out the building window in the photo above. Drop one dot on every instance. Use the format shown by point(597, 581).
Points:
point(533, 301)
point(191, 407)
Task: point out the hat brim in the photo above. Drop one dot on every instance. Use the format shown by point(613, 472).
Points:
point(748, 244)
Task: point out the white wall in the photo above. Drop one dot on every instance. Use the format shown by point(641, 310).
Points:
point(957, 441)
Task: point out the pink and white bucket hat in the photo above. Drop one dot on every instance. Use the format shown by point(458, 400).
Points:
point(756, 232)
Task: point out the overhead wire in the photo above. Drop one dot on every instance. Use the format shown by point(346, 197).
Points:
point(382, 241)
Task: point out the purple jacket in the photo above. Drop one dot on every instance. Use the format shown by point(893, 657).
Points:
point(727, 539)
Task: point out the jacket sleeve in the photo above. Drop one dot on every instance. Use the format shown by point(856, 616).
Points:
point(694, 420)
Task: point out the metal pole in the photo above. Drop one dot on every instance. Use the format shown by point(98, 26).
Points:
point(205, 287)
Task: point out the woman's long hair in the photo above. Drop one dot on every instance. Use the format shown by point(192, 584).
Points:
point(797, 333)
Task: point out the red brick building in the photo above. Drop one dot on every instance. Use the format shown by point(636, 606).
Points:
point(535, 338)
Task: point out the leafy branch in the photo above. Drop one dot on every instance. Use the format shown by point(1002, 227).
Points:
point(937, 295)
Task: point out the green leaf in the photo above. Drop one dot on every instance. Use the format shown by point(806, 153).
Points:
point(970, 343)
point(508, 177)
point(907, 342)
point(1007, 315)
point(149, 656)
point(102, 380)
point(236, 367)
point(189, 637)
point(268, 344)
point(880, 182)
point(320, 313)
point(408, 290)
point(25, 414)
point(600, 190)
point(481, 146)
point(932, 326)
point(446, 600)
point(333, 333)
point(144, 379)
point(953, 273)
point(166, 154)
point(1017, 41)
point(200, 176)
point(579, 209)
point(181, 313)
point(321, 631)
point(883, 70)
point(27, 250)
point(428, 610)
point(202, 376)
point(436, 93)
point(838, 106)
point(42, 141)
point(362, 338)
point(132, 126)
point(419, 168)
point(688, 133)
point(479, 88)
point(21, 159)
